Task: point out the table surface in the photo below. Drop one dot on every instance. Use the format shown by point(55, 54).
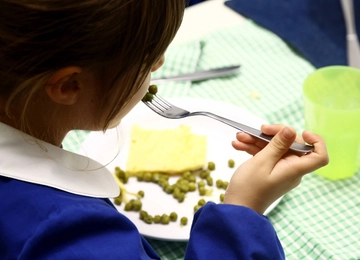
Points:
point(320, 219)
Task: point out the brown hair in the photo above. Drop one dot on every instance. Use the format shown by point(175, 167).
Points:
point(37, 37)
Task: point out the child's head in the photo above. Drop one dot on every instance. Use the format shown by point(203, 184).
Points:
point(118, 40)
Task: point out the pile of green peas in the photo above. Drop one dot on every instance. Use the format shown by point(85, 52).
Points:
point(187, 182)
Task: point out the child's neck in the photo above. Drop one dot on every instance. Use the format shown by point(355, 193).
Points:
point(41, 131)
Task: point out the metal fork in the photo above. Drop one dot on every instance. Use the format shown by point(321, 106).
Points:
point(168, 110)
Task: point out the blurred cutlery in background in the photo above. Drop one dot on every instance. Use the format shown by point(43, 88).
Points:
point(353, 48)
point(199, 75)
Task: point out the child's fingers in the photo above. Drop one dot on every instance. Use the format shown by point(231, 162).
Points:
point(312, 138)
point(319, 157)
point(311, 161)
point(253, 145)
point(246, 138)
point(317, 141)
point(249, 148)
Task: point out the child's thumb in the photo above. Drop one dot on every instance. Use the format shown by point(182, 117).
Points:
point(279, 145)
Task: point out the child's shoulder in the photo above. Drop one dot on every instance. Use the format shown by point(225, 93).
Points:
point(45, 217)
point(25, 197)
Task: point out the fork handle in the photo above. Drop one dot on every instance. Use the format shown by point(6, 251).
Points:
point(297, 147)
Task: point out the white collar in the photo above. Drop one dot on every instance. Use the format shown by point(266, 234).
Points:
point(25, 158)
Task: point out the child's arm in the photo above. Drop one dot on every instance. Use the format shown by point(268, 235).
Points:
point(223, 231)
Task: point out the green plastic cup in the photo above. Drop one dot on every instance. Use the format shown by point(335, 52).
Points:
point(332, 110)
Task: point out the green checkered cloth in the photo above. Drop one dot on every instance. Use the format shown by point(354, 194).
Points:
point(320, 219)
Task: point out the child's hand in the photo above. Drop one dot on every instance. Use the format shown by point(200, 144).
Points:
point(273, 170)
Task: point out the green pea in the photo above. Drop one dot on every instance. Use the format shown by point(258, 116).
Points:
point(128, 206)
point(157, 219)
point(169, 189)
point(211, 166)
point(184, 221)
point(163, 183)
point(192, 186)
point(121, 175)
point(209, 181)
point(186, 175)
point(219, 183)
point(142, 214)
point(147, 176)
point(181, 197)
point(165, 219)
point(201, 184)
point(136, 205)
point(117, 201)
point(201, 202)
point(155, 177)
point(225, 185)
point(176, 192)
point(148, 219)
point(196, 207)
point(141, 193)
point(164, 176)
point(184, 187)
point(153, 89)
point(173, 216)
point(182, 181)
point(192, 178)
point(231, 163)
point(202, 191)
point(148, 97)
point(222, 195)
point(204, 174)
point(140, 176)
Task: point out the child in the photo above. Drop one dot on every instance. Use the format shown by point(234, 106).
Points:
point(85, 64)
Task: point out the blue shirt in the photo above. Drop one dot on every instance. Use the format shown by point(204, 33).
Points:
point(49, 210)
point(40, 222)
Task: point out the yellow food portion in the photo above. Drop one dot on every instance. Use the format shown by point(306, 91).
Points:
point(169, 151)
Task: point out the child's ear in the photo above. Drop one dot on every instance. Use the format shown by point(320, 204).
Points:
point(63, 86)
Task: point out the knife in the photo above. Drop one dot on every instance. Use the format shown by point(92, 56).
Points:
point(352, 43)
point(199, 75)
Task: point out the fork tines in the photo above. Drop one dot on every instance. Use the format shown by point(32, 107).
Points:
point(159, 104)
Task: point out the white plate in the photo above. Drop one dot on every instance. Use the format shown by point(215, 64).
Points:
point(105, 149)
